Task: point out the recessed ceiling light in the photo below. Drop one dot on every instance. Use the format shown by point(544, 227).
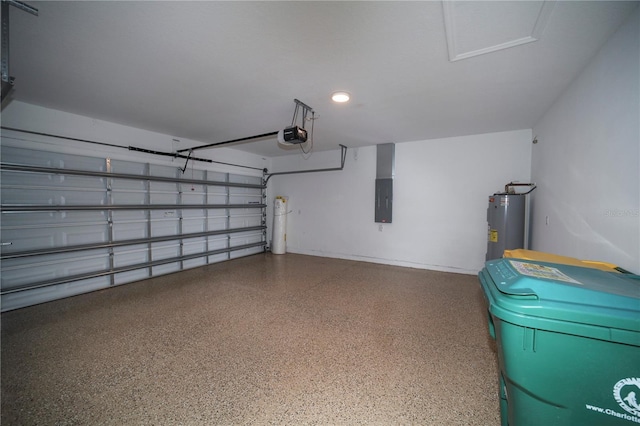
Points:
point(340, 97)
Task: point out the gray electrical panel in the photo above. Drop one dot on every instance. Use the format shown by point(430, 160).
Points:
point(506, 218)
point(385, 170)
point(384, 200)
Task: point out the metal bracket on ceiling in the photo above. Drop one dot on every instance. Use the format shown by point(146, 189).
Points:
point(305, 110)
point(7, 79)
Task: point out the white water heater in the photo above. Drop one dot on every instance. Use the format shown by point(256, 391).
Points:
point(279, 234)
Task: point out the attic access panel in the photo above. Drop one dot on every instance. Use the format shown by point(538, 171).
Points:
point(478, 27)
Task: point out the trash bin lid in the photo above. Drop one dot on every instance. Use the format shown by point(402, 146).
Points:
point(564, 298)
point(565, 260)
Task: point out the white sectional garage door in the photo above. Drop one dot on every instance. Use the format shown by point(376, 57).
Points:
point(73, 224)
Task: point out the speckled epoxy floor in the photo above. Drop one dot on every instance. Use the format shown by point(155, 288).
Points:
point(265, 339)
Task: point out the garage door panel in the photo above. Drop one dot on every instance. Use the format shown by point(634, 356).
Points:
point(168, 268)
point(245, 252)
point(245, 199)
point(129, 168)
point(45, 294)
point(165, 250)
point(50, 235)
point(194, 214)
point(52, 196)
point(194, 245)
point(165, 171)
point(245, 191)
point(44, 219)
point(194, 263)
point(131, 276)
point(52, 159)
point(216, 176)
point(129, 185)
point(86, 235)
point(130, 255)
point(128, 230)
point(216, 222)
point(244, 221)
point(194, 224)
point(193, 197)
point(21, 241)
point(22, 271)
point(128, 197)
point(217, 198)
point(50, 181)
point(217, 258)
point(16, 274)
point(243, 238)
point(167, 197)
point(245, 179)
point(218, 242)
point(114, 233)
point(165, 226)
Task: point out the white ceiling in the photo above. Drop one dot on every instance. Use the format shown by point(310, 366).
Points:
point(215, 71)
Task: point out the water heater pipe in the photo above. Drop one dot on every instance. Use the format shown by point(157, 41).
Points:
point(511, 184)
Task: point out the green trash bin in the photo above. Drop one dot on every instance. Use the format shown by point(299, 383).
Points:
point(568, 342)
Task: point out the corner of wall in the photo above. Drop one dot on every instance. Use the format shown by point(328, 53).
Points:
point(587, 159)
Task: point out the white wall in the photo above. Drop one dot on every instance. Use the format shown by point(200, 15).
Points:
point(441, 191)
point(45, 120)
point(587, 160)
